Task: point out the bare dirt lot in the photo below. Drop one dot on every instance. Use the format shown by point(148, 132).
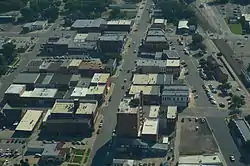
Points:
point(196, 138)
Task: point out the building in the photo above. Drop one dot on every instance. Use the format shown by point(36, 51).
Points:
point(119, 25)
point(171, 55)
point(52, 154)
point(158, 66)
point(100, 79)
point(7, 19)
point(126, 113)
point(154, 111)
point(172, 116)
point(175, 95)
point(111, 66)
point(85, 26)
point(71, 117)
point(159, 23)
point(13, 93)
point(111, 43)
point(28, 79)
point(97, 92)
point(71, 44)
point(219, 72)
point(89, 68)
point(245, 77)
point(150, 130)
point(241, 132)
point(10, 115)
point(29, 121)
point(124, 162)
point(150, 94)
point(35, 26)
point(195, 160)
point(155, 41)
point(79, 92)
point(152, 79)
point(182, 27)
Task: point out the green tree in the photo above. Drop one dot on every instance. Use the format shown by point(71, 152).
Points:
point(237, 102)
point(9, 50)
point(197, 38)
point(248, 67)
point(225, 85)
point(28, 14)
point(175, 10)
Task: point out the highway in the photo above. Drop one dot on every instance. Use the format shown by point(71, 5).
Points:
point(109, 112)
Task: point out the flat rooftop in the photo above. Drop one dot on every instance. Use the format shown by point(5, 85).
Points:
point(96, 90)
point(119, 22)
point(159, 21)
point(41, 93)
point(183, 24)
point(147, 90)
point(179, 90)
point(75, 63)
point(66, 107)
point(156, 39)
point(152, 79)
point(173, 63)
point(29, 120)
point(124, 107)
point(100, 78)
point(154, 111)
point(243, 127)
point(26, 78)
point(114, 37)
point(15, 89)
point(172, 112)
point(150, 127)
point(79, 92)
point(151, 62)
point(171, 54)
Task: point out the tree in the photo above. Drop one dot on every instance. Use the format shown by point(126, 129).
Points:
point(237, 102)
point(225, 85)
point(117, 14)
point(28, 14)
point(9, 49)
point(175, 10)
point(247, 118)
point(197, 38)
point(248, 67)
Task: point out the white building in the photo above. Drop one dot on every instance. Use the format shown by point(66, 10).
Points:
point(175, 96)
point(159, 23)
point(150, 130)
point(158, 66)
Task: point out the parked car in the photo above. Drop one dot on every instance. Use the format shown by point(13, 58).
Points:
point(232, 158)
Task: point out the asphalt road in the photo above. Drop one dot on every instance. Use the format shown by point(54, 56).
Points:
point(225, 141)
point(128, 63)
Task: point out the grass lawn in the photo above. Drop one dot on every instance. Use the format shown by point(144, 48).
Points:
point(85, 159)
point(77, 159)
point(88, 152)
point(79, 151)
point(235, 28)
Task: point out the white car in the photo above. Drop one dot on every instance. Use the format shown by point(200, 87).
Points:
point(134, 51)
point(232, 158)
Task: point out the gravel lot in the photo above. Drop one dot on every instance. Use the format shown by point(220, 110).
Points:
point(196, 141)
